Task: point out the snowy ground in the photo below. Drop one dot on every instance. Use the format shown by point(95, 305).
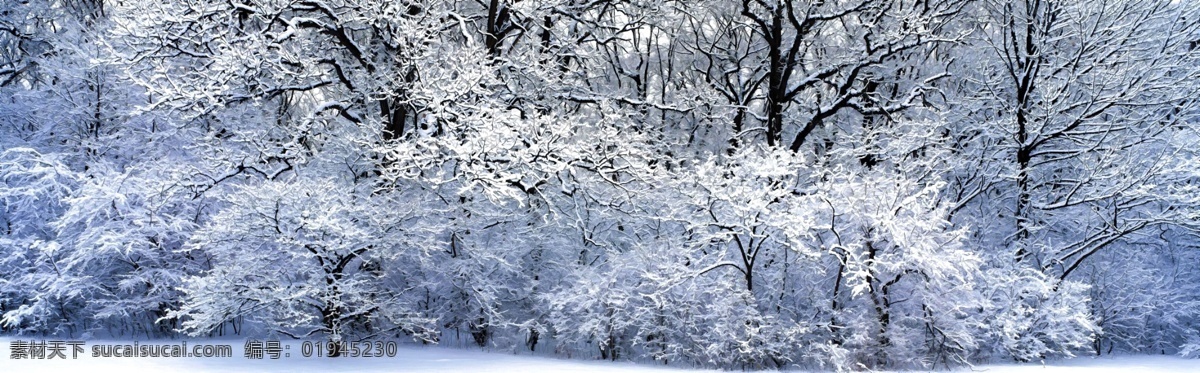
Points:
point(440, 359)
point(1106, 364)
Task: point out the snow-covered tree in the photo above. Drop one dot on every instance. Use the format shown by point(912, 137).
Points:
point(1072, 113)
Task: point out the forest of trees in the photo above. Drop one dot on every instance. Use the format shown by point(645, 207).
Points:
point(824, 184)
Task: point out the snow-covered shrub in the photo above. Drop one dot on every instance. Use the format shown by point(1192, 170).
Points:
point(34, 189)
point(1032, 316)
point(306, 257)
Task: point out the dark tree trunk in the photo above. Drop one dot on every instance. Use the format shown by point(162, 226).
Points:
point(776, 84)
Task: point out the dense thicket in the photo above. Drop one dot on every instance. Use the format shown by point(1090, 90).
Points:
point(838, 184)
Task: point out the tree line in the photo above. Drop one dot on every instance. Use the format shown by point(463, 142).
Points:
point(831, 184)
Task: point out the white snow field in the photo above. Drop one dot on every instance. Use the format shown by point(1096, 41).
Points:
point(410, 358)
